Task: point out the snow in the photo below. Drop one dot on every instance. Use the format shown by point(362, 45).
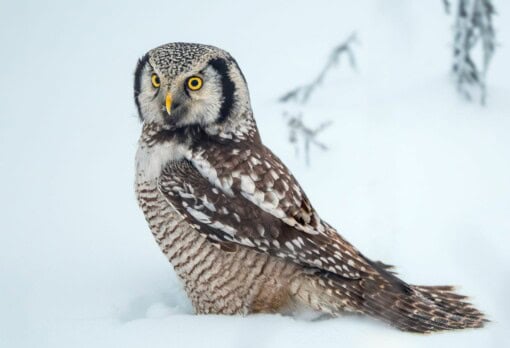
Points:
point(415, 176)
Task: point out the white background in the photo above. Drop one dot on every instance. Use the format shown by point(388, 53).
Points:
point(415, 176)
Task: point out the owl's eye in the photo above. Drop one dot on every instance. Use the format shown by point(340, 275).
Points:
point(195, 83)
point(155, 81)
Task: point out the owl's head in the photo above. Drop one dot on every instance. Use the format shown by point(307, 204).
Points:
point(182, 84)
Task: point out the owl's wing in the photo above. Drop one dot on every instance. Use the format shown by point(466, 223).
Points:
point(235, 217)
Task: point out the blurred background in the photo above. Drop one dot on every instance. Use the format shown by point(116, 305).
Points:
point(378, 129)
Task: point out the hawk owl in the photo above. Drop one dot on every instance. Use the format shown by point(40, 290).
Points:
point(235, 224)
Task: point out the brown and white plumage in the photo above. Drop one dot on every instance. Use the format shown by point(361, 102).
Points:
point(234, 222)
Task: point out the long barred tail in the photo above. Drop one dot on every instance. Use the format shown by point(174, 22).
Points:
point(411, 308)
point(421, 308)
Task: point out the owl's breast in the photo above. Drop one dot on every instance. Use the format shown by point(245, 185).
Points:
point(216, 281)
point(152, 158)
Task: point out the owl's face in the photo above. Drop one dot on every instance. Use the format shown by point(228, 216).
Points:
point(180, 84)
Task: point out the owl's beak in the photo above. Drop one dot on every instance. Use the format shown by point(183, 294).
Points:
point(168, 102)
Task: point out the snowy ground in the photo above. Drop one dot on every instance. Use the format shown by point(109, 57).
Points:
point(415, 176)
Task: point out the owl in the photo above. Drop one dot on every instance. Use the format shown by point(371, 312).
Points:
point(233, 221)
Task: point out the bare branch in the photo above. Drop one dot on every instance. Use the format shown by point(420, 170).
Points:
point(447, 6)
point(303, 93)
point(299, 130)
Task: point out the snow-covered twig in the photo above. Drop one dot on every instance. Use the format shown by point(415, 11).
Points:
point(473, 26)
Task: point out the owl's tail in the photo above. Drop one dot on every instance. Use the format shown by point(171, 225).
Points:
point(422, 308)
point(411, 308)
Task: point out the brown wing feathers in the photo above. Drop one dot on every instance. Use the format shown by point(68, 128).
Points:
point(235, 218)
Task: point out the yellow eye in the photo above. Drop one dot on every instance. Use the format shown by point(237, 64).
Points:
point(155, 81)
point(195, 83)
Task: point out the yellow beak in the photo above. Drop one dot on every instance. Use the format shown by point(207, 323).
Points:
point(168, 102)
